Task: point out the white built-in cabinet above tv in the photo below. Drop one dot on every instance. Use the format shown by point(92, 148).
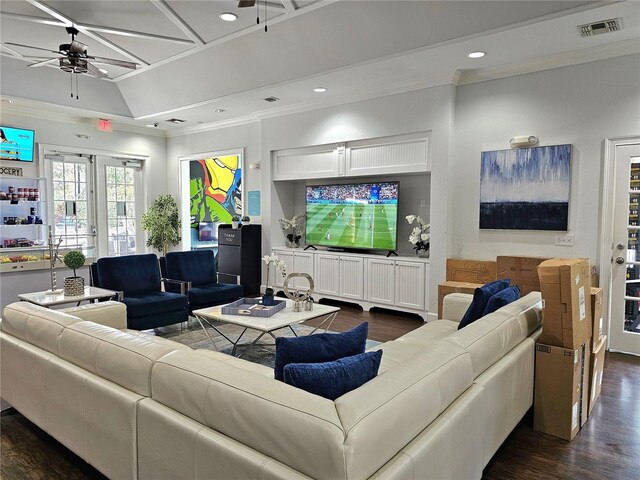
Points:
point(379, 156)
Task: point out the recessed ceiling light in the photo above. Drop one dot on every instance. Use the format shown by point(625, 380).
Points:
point(104, 70)
point(319, 89)
point(228, 17)
point(7, 100)
point(477, 54)
point(219, 110)
point(152, 125)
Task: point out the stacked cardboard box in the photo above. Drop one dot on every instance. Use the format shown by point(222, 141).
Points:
point(448, 287)
point(596, 313)
point(563, 355)
point(474, 271)
point(522, 271)
point(596, 370)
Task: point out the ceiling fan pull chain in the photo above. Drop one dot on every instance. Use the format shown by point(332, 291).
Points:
point(77, 96)
point(257, 13)
point(266, 17)
point(72, 85)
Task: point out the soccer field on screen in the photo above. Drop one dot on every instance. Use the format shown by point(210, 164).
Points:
point(352, 226)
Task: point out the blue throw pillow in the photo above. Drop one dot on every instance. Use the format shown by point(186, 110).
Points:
point(321, 347)
point(502, 298)
point(481, 297)
point(333, 379)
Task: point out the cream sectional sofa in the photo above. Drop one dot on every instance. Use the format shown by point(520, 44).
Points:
point(138, 406)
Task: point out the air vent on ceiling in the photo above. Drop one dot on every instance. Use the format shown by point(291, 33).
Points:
point(603, 26)
point(176, 120)
point(271, 99)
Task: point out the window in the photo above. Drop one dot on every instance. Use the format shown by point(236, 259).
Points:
point(70, 187)
point(121, 210)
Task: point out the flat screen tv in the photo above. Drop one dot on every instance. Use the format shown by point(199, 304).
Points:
point(16, 144)
point(360, 215)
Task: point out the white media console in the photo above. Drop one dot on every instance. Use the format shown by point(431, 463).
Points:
point(399, 283)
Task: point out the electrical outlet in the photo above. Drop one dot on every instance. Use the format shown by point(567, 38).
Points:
point(564, 240)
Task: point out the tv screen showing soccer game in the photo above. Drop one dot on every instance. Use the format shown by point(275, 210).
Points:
point(16, 144)
point(363, 215)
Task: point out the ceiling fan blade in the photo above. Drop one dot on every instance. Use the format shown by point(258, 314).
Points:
point(77, 47)
point(30, 46)
point(42, 63)
point(246, 3)
point(95, 71)
point(113, 61)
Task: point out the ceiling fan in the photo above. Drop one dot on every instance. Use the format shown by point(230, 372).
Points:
point(251, 3)
point(75, 57)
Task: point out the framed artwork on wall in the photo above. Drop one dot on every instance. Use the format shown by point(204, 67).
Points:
point(211, 189)
point(525, 188)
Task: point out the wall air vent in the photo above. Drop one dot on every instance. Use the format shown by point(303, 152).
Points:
point(603, 26)
point(176, 120)
point(271, 99)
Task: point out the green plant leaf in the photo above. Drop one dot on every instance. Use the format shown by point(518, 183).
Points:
point(162, 221)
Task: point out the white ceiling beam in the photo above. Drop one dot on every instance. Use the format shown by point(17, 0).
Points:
point(178, 21)
point(131, 33)
point(113, 46)
point(289, 5)
point(54, 13)
point(32, 19)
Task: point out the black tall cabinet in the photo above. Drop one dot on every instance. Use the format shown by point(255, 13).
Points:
point(239, 256)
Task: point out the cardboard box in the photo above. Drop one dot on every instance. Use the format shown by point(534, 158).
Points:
point(596, 315)
point(474, 271)
point(595, 371)
point(523, 271)
point(561, 393)
point(454, 287)
point(565, 284)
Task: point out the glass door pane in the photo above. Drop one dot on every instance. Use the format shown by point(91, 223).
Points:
point(72, 213)
point(120, 207)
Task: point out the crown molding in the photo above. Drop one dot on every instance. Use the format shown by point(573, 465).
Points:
point(627, 47)
point(89, 118)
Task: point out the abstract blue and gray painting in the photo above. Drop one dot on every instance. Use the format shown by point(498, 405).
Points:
point(525, 189)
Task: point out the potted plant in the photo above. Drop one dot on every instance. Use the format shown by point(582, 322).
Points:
point(246, 220)
point(162, 221)
point(234, 221)
point(74, 286)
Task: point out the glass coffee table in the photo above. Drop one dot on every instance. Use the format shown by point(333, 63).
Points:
point(283, 319)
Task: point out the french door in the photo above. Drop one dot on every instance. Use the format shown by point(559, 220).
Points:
point(119, 206)
point(624, 324)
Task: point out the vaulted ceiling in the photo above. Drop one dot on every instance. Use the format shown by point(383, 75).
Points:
point(198, 68)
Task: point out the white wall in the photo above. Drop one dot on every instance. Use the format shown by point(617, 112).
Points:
point(580, 105)
point(232, 138)
point(428, 110)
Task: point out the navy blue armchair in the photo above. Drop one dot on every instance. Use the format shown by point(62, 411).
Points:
point(198, 270)
point(138, 278)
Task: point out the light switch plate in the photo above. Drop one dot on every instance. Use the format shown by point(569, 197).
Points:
point(565, 240)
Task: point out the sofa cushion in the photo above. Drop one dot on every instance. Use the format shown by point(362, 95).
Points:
point(37, 325)
point(220, 292)
point(492, 336)
point(429, 332)
point(197, 267)
point(145, 304)
point(130, 273)
point(395, 352)
point(502, 298)
point(321, 347)
point(481, 297)
point(333, 379)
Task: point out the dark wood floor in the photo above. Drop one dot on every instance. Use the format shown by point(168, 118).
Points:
point(608, 447)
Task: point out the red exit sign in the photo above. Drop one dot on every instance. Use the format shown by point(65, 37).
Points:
point(104, 125)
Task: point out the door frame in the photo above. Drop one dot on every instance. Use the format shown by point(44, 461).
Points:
point(606, 223)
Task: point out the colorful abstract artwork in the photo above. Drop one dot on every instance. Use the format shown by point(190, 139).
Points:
point(215, 189)
point(525, 188)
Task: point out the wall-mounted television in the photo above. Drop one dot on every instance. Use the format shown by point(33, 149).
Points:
point(16, 144)
point(357, 215)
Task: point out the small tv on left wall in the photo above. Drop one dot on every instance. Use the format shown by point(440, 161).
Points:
point(16, 144)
